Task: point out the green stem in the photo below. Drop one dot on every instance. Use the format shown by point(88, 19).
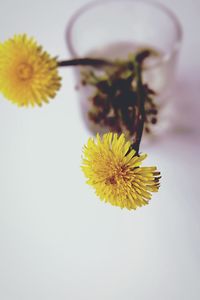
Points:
point(85, 62)
point(140, 116)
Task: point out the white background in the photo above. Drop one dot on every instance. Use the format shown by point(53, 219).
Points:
point(57, 240)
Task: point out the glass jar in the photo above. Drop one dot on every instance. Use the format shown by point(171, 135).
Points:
point(115, 28)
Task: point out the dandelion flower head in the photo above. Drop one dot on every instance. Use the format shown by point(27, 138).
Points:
point(114, 170)
point(28, 75)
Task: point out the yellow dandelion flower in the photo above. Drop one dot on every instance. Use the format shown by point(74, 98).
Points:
point(115, 172)
point(28, 75)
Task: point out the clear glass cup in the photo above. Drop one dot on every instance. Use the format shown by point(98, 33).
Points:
point(113, 29)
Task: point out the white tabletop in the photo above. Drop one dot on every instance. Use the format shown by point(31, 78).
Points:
point(57, 240)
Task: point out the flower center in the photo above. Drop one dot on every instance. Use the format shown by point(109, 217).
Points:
point(120, 172)
point(111, 180)
point(24, 71)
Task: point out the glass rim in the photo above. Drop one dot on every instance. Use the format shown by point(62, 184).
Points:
point(85, 8)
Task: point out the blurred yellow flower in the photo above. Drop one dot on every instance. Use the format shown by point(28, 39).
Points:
point(115, 173)
point(28, 75)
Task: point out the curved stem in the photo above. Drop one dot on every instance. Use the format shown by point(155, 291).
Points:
point(140, 107)
point(140, 115)
point(85, 62)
